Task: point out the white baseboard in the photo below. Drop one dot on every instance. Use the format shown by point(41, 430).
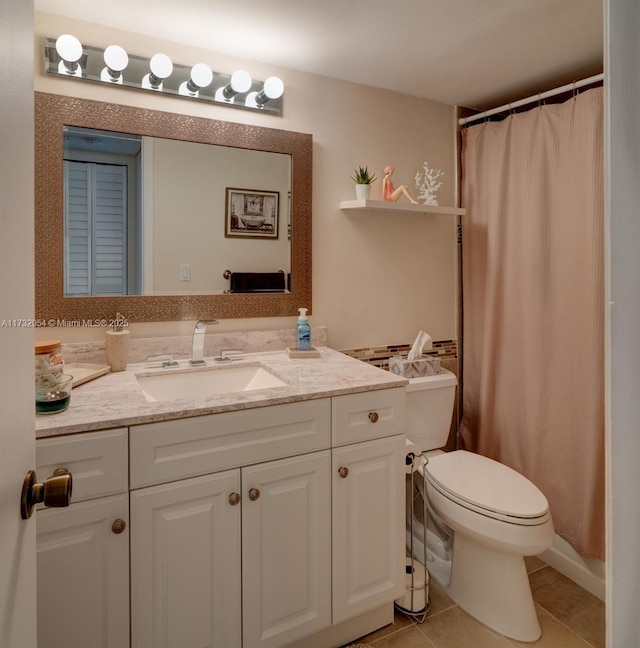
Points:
point(586, 572)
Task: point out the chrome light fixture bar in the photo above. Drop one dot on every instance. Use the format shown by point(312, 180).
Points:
point(67, 57)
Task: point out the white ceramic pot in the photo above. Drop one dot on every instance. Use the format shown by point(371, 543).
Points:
point(363, 191)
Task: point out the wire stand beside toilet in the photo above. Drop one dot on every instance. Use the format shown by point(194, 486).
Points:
point(416, 601)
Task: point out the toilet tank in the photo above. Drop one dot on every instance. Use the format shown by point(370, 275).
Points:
point(429, 409)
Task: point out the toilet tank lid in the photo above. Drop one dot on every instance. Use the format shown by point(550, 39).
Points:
point(444, 379)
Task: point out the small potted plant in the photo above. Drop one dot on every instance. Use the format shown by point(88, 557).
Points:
point(363, 180)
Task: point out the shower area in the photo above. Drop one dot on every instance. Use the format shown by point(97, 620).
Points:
point(533, 302)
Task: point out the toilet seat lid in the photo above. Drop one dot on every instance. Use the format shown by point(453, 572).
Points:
point(486, 484)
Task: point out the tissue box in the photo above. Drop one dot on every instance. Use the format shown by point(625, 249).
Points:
point(425, 366)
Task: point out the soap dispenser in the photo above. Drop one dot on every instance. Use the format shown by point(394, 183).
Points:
point(303, 331)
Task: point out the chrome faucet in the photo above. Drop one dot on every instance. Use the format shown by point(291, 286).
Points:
point(197, 350)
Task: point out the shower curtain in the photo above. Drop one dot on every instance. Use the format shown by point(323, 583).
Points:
point(533, 296)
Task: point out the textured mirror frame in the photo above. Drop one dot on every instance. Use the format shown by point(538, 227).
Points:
point(53, 112)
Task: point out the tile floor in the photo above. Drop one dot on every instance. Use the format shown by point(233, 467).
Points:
point(570, 617)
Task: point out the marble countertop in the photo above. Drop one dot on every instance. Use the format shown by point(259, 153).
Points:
point(116, 399)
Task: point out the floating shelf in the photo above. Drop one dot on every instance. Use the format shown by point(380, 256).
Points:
point(398, 208)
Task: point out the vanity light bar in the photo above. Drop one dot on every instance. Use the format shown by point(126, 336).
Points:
point(159, 74)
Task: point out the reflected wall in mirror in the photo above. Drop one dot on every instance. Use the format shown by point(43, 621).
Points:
point(156, 257)
point(146, 215)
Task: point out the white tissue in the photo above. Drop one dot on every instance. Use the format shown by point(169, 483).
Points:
point(423, 342)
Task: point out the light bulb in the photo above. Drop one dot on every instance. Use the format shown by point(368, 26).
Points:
point(201, 77)
point(116, 60)
point(241, 81)
point(273, 87)
point(69, 49)
point(161, 67)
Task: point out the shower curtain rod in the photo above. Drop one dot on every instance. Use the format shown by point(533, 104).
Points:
point(539, 97)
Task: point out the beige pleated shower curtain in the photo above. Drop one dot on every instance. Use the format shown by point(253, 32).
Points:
point(532, 241)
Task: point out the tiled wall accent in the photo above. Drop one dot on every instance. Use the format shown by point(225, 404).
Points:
point(379, 356)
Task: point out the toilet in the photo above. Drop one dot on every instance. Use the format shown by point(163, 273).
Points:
point(483, 518)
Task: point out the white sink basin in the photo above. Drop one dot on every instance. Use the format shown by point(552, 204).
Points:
point(207, 382)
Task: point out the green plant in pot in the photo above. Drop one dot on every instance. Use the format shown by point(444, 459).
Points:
point(363, 180)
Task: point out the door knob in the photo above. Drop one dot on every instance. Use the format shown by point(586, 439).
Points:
point(118, 526)
point(54, 491)
point(254, 494)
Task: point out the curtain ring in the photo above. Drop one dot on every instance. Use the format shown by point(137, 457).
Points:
point(574, 91)
point(539, 100)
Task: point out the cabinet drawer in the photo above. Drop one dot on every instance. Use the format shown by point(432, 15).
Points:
point(96, 460)
point(367, 415)
point(170, 450)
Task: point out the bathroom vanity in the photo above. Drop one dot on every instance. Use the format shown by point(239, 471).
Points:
point(266, 518)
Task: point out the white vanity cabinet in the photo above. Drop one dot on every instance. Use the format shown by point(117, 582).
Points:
point(240, 557)
point(198, 581)
point(262, 527)
point(286, 549)
point(368, 526)
point(83, 550)
point(185, 576)
point(368, 505)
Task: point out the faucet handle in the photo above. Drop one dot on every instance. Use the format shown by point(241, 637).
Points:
point(226, 354)
point(167, 360)
point(200, 324)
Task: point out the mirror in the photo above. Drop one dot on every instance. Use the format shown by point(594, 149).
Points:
point(152, 216)
point(56, 114)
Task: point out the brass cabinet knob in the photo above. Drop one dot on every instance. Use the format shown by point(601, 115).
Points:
point(373, 417)
point(234, 499)
point(55, 491)
point(254, 494)
point(118, 526)
point(343, 471)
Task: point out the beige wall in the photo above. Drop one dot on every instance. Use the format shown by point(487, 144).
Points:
point(189, 191)
point(377, 279)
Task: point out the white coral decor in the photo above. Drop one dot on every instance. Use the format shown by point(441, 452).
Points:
point(427, 184)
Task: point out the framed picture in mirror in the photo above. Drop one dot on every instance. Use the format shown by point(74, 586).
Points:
point(251, 213)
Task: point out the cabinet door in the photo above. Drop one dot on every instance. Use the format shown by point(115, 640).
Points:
point(368, 525)
point(286, 549)
point(83, 575)
point(185, 564)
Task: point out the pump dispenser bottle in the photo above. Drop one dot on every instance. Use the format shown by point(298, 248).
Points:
point(303, 331)
point(117, 345)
